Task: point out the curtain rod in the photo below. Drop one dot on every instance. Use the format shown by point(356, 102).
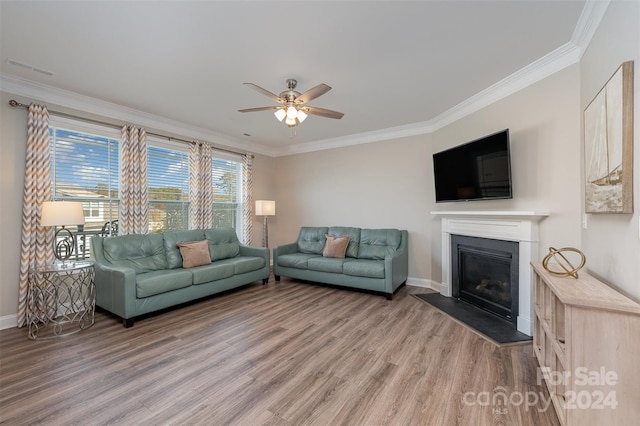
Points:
point(15, 104)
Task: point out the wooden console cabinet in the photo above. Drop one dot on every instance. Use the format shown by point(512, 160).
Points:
point(587, 340)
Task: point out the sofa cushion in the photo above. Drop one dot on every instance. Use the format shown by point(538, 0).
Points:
point(311, 239)
point(326, 264)
point(335, 246)
point(143, 253)
point(364, 268)
point(223, 243)
point(354, 238)
point(379, 243)
point(194, 253)
point(156, 282)
point(212, 272)
point(244, 264)
point(296, 260)
point(171, 238)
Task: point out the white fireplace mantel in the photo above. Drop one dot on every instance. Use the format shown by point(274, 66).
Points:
point(519, 226)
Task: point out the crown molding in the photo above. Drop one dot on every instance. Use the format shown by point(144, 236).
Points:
point(75, 101)
point(588, 23)
point(357, 139)
point(564, 56)
point(555, 61)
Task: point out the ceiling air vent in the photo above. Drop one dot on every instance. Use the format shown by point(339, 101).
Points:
point(29, 67)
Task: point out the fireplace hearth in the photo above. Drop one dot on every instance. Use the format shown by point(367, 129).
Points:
point(485, 274)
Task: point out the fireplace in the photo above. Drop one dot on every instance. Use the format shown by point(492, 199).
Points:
point(485, 274)
point(515, 226)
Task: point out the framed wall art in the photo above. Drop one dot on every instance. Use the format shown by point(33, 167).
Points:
point(608, 139)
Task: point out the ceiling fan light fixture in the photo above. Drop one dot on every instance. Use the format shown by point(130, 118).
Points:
point(291, 121)
point(280, 114)
point(292, 112)
point(292, 108)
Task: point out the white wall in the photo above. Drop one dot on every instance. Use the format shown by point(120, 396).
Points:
point(377, 185)
point(612, 242)
point(390, 184)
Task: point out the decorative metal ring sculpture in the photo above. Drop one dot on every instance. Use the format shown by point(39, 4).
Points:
point(569, 269)
point(64, 244)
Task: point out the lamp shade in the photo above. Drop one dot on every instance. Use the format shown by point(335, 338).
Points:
point(58, 213)
point(265, 208)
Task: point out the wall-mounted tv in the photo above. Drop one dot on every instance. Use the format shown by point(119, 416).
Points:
point(477, 170)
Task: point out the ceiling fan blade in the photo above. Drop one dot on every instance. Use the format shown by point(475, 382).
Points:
point(327, 113)
point(265, 92)
point(313, 93)
point(259, 109)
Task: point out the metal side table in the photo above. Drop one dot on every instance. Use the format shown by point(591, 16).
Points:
point(61, 299)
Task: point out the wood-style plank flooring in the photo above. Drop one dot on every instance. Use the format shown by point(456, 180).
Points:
point(288, 353)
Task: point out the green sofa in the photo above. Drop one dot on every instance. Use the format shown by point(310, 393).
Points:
point(375, 260)
point(139, 274)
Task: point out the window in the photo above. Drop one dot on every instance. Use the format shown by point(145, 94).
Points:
point(84, 167)
point(168, 190)
point(93, 211)
point(227, 194)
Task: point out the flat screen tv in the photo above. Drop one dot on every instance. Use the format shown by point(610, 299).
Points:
point(477, 170)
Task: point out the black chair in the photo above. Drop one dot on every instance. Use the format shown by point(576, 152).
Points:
point(109, 229)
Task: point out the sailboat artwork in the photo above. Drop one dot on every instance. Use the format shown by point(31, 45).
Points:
point(608, 136)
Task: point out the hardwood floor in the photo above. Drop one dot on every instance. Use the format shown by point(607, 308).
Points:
point(290, 353)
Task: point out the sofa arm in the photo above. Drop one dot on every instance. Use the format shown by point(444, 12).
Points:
point(255, 252)
point(116, 289)
point(398, 265)
point(284, 249)
point(279, 251)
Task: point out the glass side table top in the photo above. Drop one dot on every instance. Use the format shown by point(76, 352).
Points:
point(61, 267)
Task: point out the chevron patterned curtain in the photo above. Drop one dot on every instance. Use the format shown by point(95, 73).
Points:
point(134, 203)
point(200, 186)
point(247, 198)
point(37, 242)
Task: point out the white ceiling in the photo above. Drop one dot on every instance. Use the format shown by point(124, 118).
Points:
point(390, 63)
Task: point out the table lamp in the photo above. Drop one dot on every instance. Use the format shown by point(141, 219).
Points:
point(265, 208)
point(62, 213)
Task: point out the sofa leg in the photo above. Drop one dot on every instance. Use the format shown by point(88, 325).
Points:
point(127, 322)
point(265, 281)
point(389, 296)
point(277, 277)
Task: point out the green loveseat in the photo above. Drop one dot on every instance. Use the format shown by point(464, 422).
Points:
point(138, 274)
point(375, 259)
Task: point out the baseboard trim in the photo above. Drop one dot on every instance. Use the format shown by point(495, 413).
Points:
point(8, 321)
point(424, 283)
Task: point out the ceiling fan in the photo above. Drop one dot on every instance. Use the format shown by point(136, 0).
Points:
point(292, 108)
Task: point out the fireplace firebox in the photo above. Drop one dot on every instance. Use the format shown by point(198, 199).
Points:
point(485, 274)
